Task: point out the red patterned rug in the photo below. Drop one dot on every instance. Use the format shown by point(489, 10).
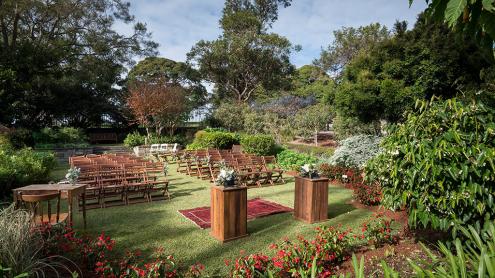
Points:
point(255, 208)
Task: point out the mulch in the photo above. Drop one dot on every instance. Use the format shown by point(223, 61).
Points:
point(255, 208)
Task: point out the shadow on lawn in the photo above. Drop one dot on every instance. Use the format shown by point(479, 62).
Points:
point(183, 192)
point(334, 210)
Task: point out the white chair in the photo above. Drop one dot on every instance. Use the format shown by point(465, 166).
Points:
point(163, 148)
point(154, 148)
point(174, 149)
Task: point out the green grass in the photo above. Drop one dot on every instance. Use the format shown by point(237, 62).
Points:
point(150, 225)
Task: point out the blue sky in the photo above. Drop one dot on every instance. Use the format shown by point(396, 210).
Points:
point(178, 24)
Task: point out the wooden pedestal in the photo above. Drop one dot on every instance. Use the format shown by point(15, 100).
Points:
point(311, 199)
point(228, 212)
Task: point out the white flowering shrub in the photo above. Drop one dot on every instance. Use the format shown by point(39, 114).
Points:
point(355, 151)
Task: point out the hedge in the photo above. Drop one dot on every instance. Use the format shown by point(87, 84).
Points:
point(214, 140)
point(259, 144)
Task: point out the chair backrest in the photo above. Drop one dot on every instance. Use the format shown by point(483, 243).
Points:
point(154, 147)
point(36, 203)
point(163, 147)
point(236, 148)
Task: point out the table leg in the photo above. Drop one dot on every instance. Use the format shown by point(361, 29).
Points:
point(84, 208)
point(70, 197)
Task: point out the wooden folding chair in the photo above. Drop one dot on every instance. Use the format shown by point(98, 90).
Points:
point(36, 204)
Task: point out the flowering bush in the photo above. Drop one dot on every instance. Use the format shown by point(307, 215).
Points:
point(330, 247)
point(94, 254)
point(254, 265)
point(355, 151)
point(377, 230)
point(369, 194)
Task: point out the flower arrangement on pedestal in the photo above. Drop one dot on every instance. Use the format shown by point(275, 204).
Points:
point(226, 177)
point(73, 175)
point(309, 171)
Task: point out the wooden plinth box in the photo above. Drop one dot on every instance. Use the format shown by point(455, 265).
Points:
point(228, 212)
point(311, 199)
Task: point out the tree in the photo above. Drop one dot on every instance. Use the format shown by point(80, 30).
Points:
point(155, 104)
point(311, 120)
point(310, 80)
point(65, 61)
point(429, 60)
point(231, 115)
point(245, 58)
point(348, 42)
point(475, 18)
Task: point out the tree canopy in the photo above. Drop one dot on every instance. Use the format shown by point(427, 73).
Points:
point(245, 58)
point(62, 61)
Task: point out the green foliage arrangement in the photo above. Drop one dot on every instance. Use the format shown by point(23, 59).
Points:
point(213, 140)
point(21, 138)
point(134, 139)
point(440, 165)
point(22, 167)
point(62, 137)
point(259, 144)
point(355, 151)
point(291, 160)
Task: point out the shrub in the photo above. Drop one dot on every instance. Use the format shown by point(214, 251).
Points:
point(321, 152)
point(22, 167)
point(355, 151)
point(346, 127)
point(63, 137)
point(369, 194)
point(134, 139)
point(291, 160)
point(214, 140)
point(377, 230)
point(259, 144)
point(21, 138)
point(439, 164)
point(329, 248)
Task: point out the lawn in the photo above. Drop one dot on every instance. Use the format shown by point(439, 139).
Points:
point(148, 226)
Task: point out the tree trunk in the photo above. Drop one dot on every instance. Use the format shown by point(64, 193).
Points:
point(316, 138)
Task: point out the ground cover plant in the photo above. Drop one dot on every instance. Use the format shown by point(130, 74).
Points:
point(291, 160)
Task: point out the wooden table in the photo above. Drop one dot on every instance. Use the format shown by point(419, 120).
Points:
point(68, 191)
point(228, 212)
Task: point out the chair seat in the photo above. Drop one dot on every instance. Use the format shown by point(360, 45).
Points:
point(62, 218)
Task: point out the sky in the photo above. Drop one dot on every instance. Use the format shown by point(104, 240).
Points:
point(178, 24)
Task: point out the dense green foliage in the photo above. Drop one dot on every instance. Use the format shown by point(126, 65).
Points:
point(245, 58)
point(62, 137)
point(62, 61)
point(440, 165)
point(23, 167)
point(259, 144)
point(134, 139)
point(355, 151)
point(213, 140)
point(291, 160)
point(475, 18)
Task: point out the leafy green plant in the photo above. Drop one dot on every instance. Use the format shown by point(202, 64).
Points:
point(291, 160)
point(259, 144)
point(439, 164)
point(355, 151)
point(65, 136)
point(214, 140)
point(22, 167)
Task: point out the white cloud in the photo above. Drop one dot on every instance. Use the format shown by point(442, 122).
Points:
point(178, 24)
